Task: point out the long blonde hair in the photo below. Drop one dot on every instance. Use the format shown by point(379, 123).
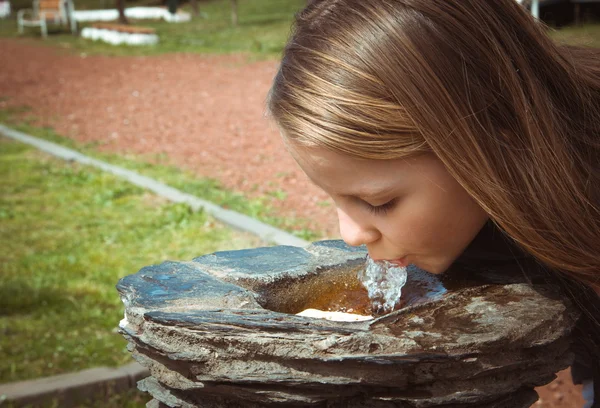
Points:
point(514, 117)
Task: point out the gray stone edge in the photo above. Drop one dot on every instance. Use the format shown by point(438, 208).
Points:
point(32, 391)
point(75, 387)
point(232, 218)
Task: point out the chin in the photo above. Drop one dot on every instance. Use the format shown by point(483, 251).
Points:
point(433, 269)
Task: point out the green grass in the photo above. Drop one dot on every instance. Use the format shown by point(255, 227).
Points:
point(155, 166)
point(585, 35)
point(67, 234)
point(262, 31)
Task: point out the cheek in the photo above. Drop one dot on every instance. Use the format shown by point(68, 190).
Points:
point(413, 227)
point(423, 219)
point(435, 226)
point(459, 222)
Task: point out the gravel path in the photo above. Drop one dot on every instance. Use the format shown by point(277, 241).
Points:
point(206, 113)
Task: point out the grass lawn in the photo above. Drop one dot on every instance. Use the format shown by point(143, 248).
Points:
point(67, 234)
point(260, 208)
point(262, 31)
point(264, 26)
point(587, 34)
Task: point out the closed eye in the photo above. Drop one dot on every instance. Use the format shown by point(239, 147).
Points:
point(383, 208)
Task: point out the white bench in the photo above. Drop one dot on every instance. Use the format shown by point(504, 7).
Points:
point(47, 11)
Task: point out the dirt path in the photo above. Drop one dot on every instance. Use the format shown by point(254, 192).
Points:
point(204, 112)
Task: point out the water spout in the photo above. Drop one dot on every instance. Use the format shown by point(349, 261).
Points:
point(384, 282)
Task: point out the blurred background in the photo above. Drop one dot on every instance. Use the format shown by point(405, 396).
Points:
point(174, 90)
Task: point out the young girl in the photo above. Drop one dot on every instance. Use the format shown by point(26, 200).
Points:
point(452, 130)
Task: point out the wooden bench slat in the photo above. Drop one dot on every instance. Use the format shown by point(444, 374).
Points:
point(55, 5)
point(50, 16)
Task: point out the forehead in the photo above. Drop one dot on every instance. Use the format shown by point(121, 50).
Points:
point(340, 174)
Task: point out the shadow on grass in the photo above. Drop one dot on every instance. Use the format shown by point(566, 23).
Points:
point(266, 21)
point(21, 298)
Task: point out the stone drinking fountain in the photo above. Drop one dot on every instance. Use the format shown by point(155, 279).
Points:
point(223, 331)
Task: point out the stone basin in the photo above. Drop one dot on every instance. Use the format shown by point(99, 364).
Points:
point(222, 331)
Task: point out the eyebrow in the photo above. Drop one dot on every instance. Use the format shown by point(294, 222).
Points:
point(366, 192)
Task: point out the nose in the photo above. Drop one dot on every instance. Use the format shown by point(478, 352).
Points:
point(355, 233)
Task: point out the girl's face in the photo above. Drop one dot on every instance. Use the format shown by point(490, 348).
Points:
point(409, 211)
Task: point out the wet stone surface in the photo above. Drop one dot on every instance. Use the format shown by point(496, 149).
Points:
point(221, 331)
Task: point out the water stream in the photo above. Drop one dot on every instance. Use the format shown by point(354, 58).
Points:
point(384, 282)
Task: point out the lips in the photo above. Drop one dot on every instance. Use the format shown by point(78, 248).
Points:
point(403, 262)
point(397, 261)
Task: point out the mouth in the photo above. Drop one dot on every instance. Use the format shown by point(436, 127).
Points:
point(402, 262)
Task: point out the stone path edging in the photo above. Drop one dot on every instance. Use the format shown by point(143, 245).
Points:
point(229, 217)
point(73, 388)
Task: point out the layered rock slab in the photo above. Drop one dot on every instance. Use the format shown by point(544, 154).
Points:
point(220, 331)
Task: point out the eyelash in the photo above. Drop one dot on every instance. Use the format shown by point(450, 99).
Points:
point(382, 209)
